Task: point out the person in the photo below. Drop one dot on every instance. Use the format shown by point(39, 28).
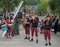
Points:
point(36, 16)
point(34, 25)
point(27, 27)
point(0, 22)
point(47, 32)
point(4, 27)
point(52, 20)
point(41, 26)
point(55, 25)
point(9, 31)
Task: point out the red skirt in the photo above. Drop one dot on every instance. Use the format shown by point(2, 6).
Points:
point(9, 29)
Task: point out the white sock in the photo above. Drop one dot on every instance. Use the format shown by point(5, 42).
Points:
point(4, 33)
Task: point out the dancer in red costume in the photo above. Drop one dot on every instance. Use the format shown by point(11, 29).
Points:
point(9, 31)
point(34, 25)
point(47, 32)
point(27, 27)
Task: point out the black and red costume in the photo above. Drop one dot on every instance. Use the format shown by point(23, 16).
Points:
point(34, 25)
point(8, 20)
point(27, 28)
point(47, 27)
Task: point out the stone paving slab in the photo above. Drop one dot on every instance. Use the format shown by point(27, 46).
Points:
point(18, 41)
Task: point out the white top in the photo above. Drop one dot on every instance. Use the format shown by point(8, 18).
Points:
point(3, 25)
point(10, 24)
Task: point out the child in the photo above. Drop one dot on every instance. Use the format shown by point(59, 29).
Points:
point(47, 27)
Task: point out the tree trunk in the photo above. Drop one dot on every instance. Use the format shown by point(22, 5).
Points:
point(15, 27)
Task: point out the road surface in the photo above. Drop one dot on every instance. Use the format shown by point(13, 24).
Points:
point(18, 41)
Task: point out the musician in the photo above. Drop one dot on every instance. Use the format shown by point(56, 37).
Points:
point(27, 27)
point(34, 24)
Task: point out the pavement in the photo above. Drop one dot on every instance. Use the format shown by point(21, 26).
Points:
point(18, 41)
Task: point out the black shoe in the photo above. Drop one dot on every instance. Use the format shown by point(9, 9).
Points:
point(49, 43)
point(28, 38)
point(36, 41)
point(25, 38)
point(46, 44)
point(31, 40)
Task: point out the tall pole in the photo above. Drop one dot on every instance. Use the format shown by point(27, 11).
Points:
point(15, 30)
point(20, 4)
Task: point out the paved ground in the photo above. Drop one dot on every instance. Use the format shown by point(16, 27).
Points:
point(18, 41)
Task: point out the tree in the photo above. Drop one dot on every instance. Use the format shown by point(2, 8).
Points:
point(31, 2)
point(42, 6)
point(8, 5)
point(55, 6)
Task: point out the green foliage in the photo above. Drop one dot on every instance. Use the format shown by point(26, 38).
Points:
point(42, 6)
point(55, 6)
point(8, 5)
point(31, 2)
